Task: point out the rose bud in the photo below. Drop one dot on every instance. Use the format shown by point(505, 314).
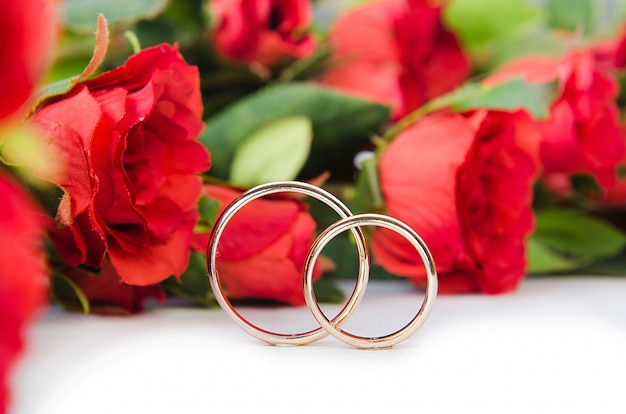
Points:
point(262, 31)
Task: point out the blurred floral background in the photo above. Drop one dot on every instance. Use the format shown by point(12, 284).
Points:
point(493, 127)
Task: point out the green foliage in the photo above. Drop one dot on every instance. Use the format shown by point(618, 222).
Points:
point(515, 94)
point(543, 260)
point(341, 124)
point(496, 31)
point(63, 86)
point(208, 208)
point(535, 98)
point(483, 23)
point(67, 294)
point(565, 240)
point(585, 16)
point(194, 282)
point(368, 194)
point(81, 15)
point(326, 291)
point(571, 15)
point(275, 152)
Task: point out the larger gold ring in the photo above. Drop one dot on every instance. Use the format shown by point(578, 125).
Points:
point(327, 198)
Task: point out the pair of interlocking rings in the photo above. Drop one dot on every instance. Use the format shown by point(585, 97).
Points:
point(348, 221)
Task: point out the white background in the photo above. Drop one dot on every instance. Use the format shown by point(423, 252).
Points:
point(555, 345)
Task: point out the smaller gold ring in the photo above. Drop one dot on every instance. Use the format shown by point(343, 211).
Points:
point(358, 221)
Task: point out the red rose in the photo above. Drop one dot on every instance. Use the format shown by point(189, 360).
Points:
point(27, 30)
point(582, 133)
point(23, 272)
point(129, 137)
point(464, 184)
point(395, 52)
point(263, 248)
point(262, 31)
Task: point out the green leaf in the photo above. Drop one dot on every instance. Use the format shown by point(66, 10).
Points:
point(542, 260)
point(613, 266)
point(180, 22)
point(590, 17)
point(571, 15)
point(194, 282)
point(514, 94)
point(81, 15)
point(567, 239)
point(483, 23)
point(65, 85)
point(341, 124)
point(543, 43)
point(208, 208)
point(67, 294)
point(276, 152)
point(327, 292)
point(511, 95)
point(368, 195)
point(577, 234)
point(536, 98)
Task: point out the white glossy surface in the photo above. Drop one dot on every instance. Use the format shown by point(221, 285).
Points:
point(556, 345)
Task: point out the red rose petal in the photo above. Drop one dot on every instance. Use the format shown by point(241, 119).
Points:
point(418, 178)
point(244, 235)
point(269, 274)
point(154, 261)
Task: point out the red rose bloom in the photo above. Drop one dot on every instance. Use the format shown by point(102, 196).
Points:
point(23, 273)
point(129, 138)
point(27, 30)
point(464, 184)
point(263, 248)
point(262, 31)
point(395, 52)
point(582, 133)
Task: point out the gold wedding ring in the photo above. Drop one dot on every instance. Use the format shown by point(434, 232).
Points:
point(347, 221)
point(325, 197)
point(358, 221)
